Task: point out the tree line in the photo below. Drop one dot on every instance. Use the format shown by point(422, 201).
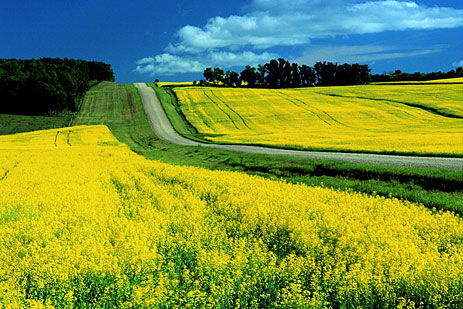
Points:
point(280, 73)
point(398, 75)
point(47, 85)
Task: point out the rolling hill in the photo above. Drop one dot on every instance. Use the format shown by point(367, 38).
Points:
point(413, 119)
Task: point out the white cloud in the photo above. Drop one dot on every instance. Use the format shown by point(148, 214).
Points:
point(362, 53)
point(458, 64)
point(236, 32)
point(168, 64)
point(287, 23)
point(233, 40)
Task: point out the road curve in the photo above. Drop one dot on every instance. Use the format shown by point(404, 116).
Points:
point(162, 127)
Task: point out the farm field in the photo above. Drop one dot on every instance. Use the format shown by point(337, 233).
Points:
point(434, 189)
point(162, 84)
point(86, 221)
point(456, 80)
point(119, 107)
point(417, 119)
point(10, 124)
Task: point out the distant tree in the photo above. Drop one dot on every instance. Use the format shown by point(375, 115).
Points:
point(273, 74)
point(249, 76)
point(226, 78)
point(398, 75)
point(326, 73)
point(418, 76)
point(280, 72)
point(365, 75)
point(156, 80)
point(234, 79)
point(450, 74)
point(286, 75)
point(218, 75)
point(318, 67)
point(261, 74)
point(295, 75)
point(307, 74)
point(209, 74)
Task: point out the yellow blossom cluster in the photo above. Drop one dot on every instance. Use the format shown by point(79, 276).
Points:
point(416, 118)
point(85, 222)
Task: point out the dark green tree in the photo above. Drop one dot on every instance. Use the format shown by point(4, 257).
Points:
point(295, 75)
point(249, 76)
point(235, 79)
point(261, 74)
point(273, 74)
point(47, 85)
point(218, 75)
point(209, 74)
point(226, 79)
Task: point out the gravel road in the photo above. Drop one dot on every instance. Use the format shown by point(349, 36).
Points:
point(163, 129)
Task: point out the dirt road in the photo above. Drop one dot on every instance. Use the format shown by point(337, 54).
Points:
point(163, 129)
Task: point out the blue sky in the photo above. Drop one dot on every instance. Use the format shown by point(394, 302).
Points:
point(176, 40)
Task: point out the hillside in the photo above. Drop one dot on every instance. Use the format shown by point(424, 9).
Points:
point(86, 221)
point(421, 119)
point(120, 108)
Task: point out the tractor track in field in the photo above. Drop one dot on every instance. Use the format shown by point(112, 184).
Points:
point(223, 111)
point(162, 127)
point(306, 106)
point(231, 109)
point(410, 104)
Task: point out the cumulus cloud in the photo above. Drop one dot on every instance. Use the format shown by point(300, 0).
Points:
point(267, 24)
point(236, 32)
point(168, 64)
point(287, 23)
point(458, 64)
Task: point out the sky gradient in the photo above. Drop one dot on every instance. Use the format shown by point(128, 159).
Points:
point(176, 40)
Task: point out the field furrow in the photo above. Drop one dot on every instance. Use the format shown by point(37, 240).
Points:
point(221, 109)
point(412, 119)
point(231, 109)
point(426, 108)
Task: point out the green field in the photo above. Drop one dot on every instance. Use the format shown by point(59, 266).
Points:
point(11, 124)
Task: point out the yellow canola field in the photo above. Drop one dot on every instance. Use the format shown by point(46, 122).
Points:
point(455, 80)
point(377, 118)
point(160, 84)
point(85, 222)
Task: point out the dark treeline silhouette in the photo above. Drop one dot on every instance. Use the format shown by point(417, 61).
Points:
point(280, 73)
point(417, 76)
point(47, 85)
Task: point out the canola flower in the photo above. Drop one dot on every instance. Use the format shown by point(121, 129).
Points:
point(421, 118)
point(174, 84)
point(85, 222)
